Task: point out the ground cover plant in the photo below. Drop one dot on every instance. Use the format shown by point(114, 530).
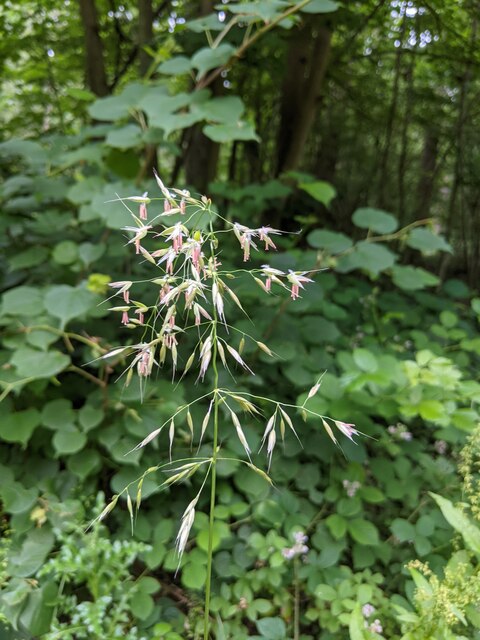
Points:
point(351, 127)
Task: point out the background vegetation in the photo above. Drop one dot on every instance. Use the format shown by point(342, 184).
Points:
point(356, 122)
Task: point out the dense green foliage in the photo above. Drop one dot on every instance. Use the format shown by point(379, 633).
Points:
point(395, 334)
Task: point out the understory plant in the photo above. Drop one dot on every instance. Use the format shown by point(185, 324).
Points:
point(190, 293)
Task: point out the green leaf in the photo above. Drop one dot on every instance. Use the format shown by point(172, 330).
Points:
point(403, 530)
point(329, 240)
point(365, 360)
point(427, 242)
point(32, 554)
point(375, 220)
point(370, 256)
point(460, 522)
point(228, 132)
point(267, 11)
point(58, 414)
point(325, 591)
point(31, 257)
point(16, 498)
point(272, 628)
point(19, 426)
point(363, 532)
point(206, 59)
point(69, 441)
point(125, 137)
point(66, 302)
point(413, 278)
point(224, 109)
point(142, 605)
point(319, 190)
point(84, 463)
point(194, 575)
point(320, 6)
point(336, 525)
point(431, 410)
point(65, 252)
point(30, 363)
point(356, 627)
point(23, 301)
point(175, 66)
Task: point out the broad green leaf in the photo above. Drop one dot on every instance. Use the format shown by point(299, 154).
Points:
point(363, 532)
point(69, 441)
point(460, 522)
point(16, 498)
point(175, 66)
point(84, 463)
point(330, 240)
point(208, 23)
point(58, 414)
point(66, 302)
point(29, 258)
point(30, 363)
point(370, 256)
point(403, 530)
point(220, 532)
point(65, 252)
point(413, 278)
point(427, 242)
point(19, 426)
point(224, 109)
point(365, 360)
point(228, 132)
point(125, 137)
point(337, 525)
point(375, 220)
point(142, 605)
point(325, 591)
point(113, 108)
point(320, 6)
point(169, 122)
point(319, 190)
point(272, 628)
point(431, 410)
point(206, 59)
point(23, 301)
point(356, 627)
point(90, 417)
point(265, 10)
point(194, 575)
point(32, 554)
point(89, 252)
point(157, 102)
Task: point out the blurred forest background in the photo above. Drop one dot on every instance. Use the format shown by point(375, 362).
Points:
point(355, 122)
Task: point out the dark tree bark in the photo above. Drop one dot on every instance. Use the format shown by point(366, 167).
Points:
point(402, 160)
point(201, 154)
point(145, 34)
point(95, 73)
point(428, 166)
point(306, 66)
point(383, 184)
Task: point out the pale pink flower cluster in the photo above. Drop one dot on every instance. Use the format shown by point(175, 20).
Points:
point(375, 627)
point(298, 549)
point(351, 488)
point(400, 431)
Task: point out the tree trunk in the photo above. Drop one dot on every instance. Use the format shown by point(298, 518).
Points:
point(96, 76)
point(306, 66)
point(201, 157)
point(402, 161)
point(428, 164)
point(145, 34)
point(392, 112)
